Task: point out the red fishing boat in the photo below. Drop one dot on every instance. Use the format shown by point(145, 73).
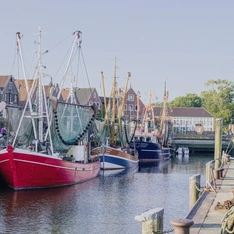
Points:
point(50, 146)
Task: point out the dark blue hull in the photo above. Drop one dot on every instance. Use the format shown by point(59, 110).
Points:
point(150, 152)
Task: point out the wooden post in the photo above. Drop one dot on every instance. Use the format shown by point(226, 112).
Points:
point(182, 226)
point(194, 185)
point(152, 221)
point(209, 167)
point(218, 142)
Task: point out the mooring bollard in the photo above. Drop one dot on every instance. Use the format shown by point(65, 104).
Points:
point(152, 221)
point(194, 186)
point(218, 142)
point(182, 226)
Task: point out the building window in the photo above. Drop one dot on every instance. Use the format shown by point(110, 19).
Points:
point(94, 94)
point(125, 107)
point(15, 98)
point(10, 85)
point(9, 96)
point(130, 97)
point(136, 108)
point(90, 103)
point(130, 108)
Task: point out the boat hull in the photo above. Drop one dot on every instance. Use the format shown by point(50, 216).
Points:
point(24, 169)
point(151, 152)
point(112, 158)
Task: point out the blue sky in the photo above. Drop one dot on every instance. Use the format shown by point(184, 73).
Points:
point(183, 42)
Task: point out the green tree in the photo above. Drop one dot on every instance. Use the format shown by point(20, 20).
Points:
point(189, 100)
point(218, 100)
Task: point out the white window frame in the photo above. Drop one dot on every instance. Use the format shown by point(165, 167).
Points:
point(130, 97)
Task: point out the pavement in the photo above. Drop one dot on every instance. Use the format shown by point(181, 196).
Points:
point(206, 215)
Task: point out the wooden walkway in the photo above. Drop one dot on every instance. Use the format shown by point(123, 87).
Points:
point(207, 218)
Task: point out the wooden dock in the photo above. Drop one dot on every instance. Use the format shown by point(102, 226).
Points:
point(206, 215)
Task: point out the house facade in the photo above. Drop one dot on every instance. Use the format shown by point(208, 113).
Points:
point(88, 96)
point(9, 91)
point(189, 119)
point(134, 107)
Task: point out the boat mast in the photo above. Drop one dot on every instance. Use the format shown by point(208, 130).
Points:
point(26, 84)
point(40, 94)
point(149, 118)
point(123, 97)
point(113, 97)
point(104, 93)
point(163, 118)
point(77, 33)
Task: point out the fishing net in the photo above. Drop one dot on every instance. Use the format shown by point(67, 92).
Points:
point(70, 124)
point(25, 133)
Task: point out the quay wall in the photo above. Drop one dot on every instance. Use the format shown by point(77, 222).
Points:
point(199, 143)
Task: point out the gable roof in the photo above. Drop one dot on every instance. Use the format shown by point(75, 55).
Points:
point(20, 84)
point(185, 112)
point(22, 88)
point(84, 94)
point(64, 93)
point(4, 80)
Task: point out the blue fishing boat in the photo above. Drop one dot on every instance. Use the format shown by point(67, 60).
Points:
point(152, 143)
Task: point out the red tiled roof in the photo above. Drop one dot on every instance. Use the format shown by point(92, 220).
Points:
point(22, 88)
point(65, 93)
point(4, 80)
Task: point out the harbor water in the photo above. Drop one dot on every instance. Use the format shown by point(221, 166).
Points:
point(107, 204)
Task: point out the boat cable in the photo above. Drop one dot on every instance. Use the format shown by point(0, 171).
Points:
point(125, 130)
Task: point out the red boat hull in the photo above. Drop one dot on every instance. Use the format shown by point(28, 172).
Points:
point(22, 169)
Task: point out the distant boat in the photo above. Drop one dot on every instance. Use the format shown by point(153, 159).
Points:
point(150, 142)
point(114, 152)
point(30, 161)
point(183, 150)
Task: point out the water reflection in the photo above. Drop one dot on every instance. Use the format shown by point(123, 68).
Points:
point(107, 204)
point(155, 167)
point(181, 158)
point(46, 209)
point(118, 172)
